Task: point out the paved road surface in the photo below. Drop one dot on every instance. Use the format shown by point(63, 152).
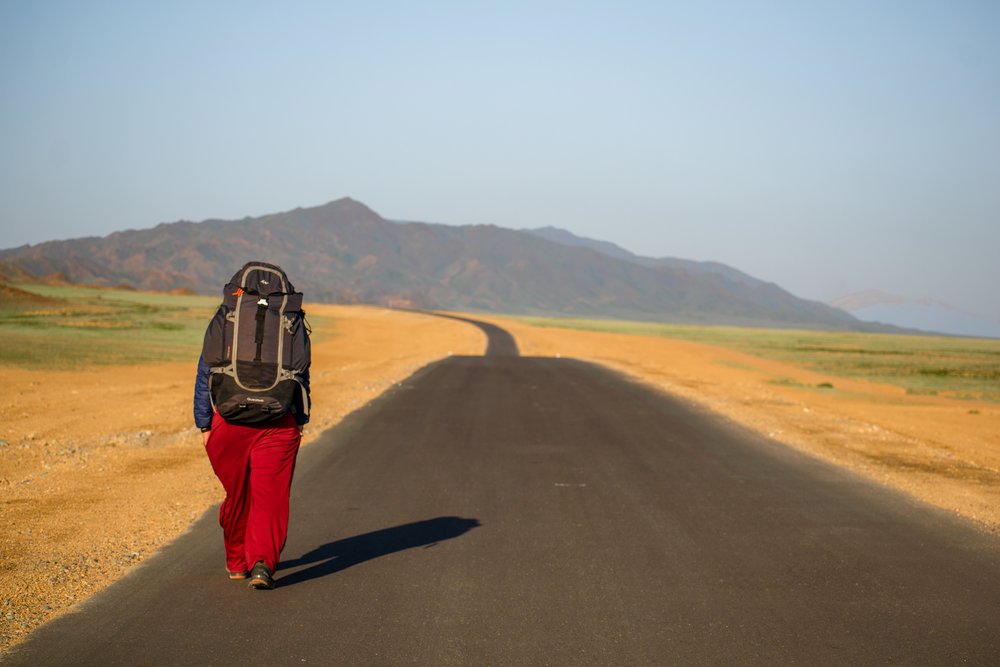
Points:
point(526, 511)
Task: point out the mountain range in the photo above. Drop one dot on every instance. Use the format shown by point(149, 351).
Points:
point(343, 252)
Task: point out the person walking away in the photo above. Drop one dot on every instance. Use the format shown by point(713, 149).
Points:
point(251, 402)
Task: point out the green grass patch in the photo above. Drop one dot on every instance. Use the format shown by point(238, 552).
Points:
point(785, 382)
point(76, 328)
point(923, 365)
point(80, 327)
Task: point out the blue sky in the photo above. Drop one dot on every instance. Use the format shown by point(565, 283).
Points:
point(825, 146)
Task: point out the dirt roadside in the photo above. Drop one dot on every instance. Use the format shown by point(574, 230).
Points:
point(944, 451)
point(98, 469)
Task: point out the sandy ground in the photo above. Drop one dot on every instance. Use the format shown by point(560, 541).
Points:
point(98, 469)
point(943, 451)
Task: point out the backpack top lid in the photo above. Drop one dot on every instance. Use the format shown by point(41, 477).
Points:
point(259, 278)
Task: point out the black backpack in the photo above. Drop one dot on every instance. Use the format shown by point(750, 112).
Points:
point(257, 347)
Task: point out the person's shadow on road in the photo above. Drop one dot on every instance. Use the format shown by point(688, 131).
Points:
point(342, 554)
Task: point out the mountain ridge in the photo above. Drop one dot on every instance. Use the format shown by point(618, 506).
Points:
point(569, 238)
point(343, 251)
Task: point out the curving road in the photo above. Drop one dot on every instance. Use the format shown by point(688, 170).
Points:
point(510, 511)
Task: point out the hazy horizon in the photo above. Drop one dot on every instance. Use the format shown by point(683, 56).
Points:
point(829, 147)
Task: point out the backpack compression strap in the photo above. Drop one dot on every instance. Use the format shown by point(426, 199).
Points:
point(258, 336)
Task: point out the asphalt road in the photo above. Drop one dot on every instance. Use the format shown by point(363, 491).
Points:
point(505, 510)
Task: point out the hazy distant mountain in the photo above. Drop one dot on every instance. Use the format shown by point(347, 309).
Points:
point(345, 252)
point(610, 249)
point(923, 314)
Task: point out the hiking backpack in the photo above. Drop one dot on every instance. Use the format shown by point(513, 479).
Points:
point(257, 347)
